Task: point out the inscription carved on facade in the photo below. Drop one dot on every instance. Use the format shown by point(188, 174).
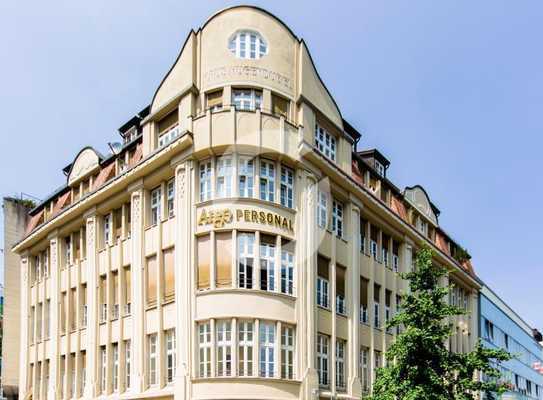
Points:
point(246, 71)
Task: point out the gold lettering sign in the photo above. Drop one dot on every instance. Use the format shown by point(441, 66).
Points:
point(219, 218)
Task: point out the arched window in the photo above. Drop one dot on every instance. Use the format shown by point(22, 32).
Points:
point(248, 45)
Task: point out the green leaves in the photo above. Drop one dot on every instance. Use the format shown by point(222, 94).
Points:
point(420, 367)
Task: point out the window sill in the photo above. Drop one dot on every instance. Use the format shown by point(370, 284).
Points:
point(324, 308)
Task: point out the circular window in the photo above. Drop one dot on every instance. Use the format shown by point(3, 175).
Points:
point(248, 45)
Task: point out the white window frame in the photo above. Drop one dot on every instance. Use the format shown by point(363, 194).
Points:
point(247, 99)
point(204, 349)
point(266, 349)
point(267, 266)
point(380, 168)
point(364, 315)
point(376, 316)
point(340, 363)
point(156, 199)
point(127, 363)
point(246, 177)
point(224, 171)
point(287, 352)
point(323, 292)
point(246, 259)
point(287, 187)
point(107, 229)
point(337, 218)
point(373, 250)
point(247, 44)
point(384, 255)
point(170, 355)
point(364, 368)
point(325, 142)
point(322, 209)
point(341, 305)
point(170, 196)
point(395, 263)
point(224, 348)
point(323, 360)
point(267, 180)
point(115, 371)
point(205, 174)
point(152, 366)
point(246, 337)
point(103, 369)
point(287, 272)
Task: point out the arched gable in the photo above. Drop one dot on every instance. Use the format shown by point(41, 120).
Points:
point(419, 199)
point(85, 163)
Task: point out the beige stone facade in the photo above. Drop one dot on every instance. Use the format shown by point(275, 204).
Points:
point(236, 246)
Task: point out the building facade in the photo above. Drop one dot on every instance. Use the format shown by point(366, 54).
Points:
point(236, 245)
point(501, 327)
point(15, 223)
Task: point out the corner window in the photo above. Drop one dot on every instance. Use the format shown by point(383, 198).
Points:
point(247, 99)
point(214, 100)
point(246, 172)
point(224, 177)
point(248, 45)
point(280, 106)
point(287, 187)
point(337, 218)
point(170, 190)
point(267, 180)
point(322, 210)
point(205, 180)
point(325, 142)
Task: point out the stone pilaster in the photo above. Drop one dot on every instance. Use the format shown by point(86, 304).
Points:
point(353, 304)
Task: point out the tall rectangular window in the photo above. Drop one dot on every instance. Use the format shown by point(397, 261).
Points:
point(156, 199)
point(63, 312)
point(224, 348)
point(223, 255)
point(127, 290)
point(168, 273)
point(73, 307)
point(224, 176)
point(287, 269)
point(115, 287)
point(287, 187)
point(322, 210)
point(152, 352)
point(103, 369)
point(83, 375)
point(323, 292)
point(364, 369)
point(204, 349)
point(340, 364)
point(205, 175)
point(267, 263)
point(287, 352)
point(337, 218)
point(267, 180)
point(115, 371)
point(127, 363)
point(67, 251)
point(39, 322)
point(170, 192)
point(204, 260)
point(84, 309)
point(376, 307)
point(246, 173)
point(151, 278)
point(47, 323)
point(364, 318)
point(107, 229)
point(170, 355)
point(245, 348)
point(266, 348)
point(322, 359)
point(325, 142)
point(246, 244)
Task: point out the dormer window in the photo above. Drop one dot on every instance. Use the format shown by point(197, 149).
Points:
point(248, 45)
point(422, 226)
point(325, 142)
point(380, 168)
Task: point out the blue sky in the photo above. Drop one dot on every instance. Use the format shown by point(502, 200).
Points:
point(451, 92)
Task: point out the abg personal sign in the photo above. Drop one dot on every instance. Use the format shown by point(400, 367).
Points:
point(222, 217)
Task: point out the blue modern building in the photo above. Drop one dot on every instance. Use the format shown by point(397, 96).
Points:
point(501, 327)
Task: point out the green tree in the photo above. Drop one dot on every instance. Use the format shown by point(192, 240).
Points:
point(419, 366)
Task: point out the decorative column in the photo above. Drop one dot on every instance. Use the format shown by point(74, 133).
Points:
point(184, 278)
point(54, 268)
point(306, 268)
point(353, 304)
point(24, 364)
point(137, 374)
point(91, 378)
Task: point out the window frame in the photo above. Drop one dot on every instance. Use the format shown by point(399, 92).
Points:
point(155, 205)
point(286, 192)
point(248, 44)
point(325, 142)
point(267, 177)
